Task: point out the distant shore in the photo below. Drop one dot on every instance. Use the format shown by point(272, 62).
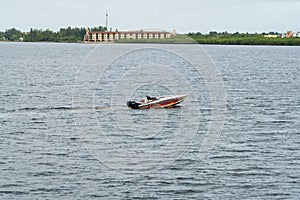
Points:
point(76, 35)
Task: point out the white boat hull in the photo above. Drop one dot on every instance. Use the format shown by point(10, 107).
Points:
point(161, 102)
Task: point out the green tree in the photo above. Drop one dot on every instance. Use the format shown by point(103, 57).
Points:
point(2, 36)
point(99, 28)
point(13, 34)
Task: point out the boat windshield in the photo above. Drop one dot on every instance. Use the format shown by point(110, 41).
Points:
point(151, 98)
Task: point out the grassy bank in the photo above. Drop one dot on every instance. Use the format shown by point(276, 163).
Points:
point(250, 41)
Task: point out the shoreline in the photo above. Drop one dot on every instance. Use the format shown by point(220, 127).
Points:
point(160, 42)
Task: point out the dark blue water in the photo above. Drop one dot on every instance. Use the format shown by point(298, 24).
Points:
point(43, 156)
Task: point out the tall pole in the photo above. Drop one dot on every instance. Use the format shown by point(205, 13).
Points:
point(106, 21)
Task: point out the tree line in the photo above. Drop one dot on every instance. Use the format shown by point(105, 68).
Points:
point(68, 34)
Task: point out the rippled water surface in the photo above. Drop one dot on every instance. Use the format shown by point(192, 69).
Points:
point(43, 155)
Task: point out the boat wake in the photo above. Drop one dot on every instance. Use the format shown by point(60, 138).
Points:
point(59, 109)
point(24, 111)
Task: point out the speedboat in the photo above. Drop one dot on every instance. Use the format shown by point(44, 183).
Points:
point(156, 102)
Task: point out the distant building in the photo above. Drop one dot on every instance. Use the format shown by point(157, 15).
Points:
point(110, 36)
point(271, 36)
point(289, 34)
point(296, 34)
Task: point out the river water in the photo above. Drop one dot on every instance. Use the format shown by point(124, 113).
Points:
point(45, 155)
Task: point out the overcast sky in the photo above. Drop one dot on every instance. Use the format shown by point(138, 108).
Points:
point(182, 15)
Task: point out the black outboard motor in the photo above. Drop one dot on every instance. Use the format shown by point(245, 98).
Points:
point(133, 104)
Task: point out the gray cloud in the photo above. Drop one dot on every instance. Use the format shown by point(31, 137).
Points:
point(185, 16)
